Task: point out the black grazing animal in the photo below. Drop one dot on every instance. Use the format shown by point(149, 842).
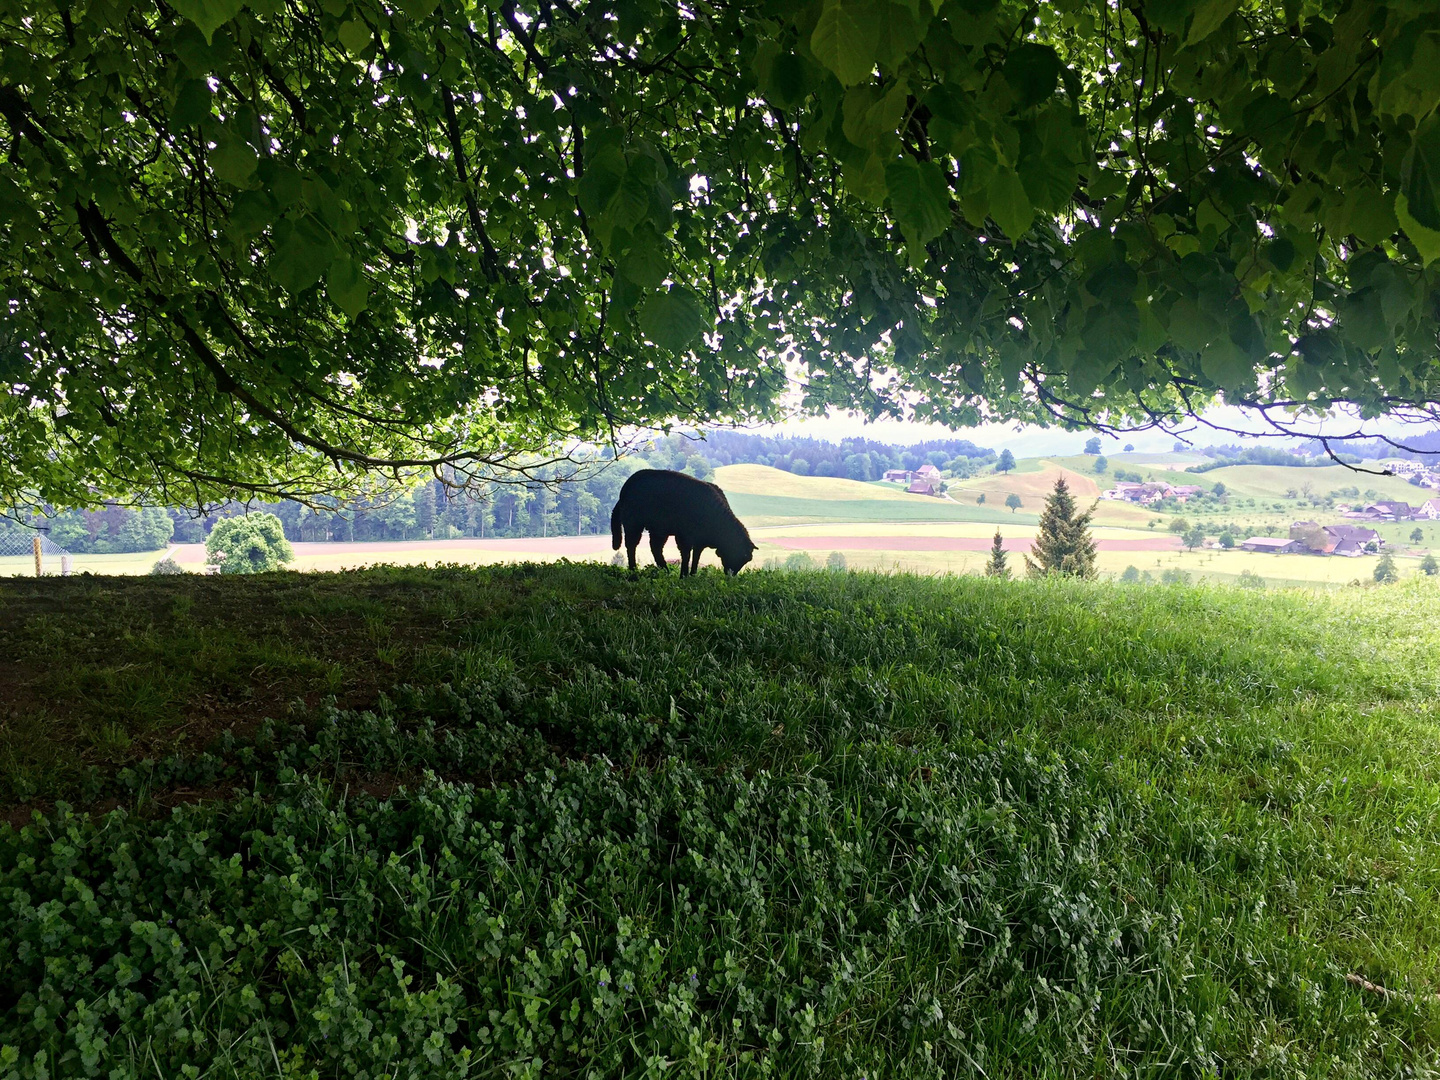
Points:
point(697, 514)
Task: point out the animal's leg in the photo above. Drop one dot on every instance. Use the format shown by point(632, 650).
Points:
point(632, 541)
point(695, 560)
point(657, 548)
point(684, 546)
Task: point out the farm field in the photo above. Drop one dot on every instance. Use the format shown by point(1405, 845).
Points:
point(557, 819)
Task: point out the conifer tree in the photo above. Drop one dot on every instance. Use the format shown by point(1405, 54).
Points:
point(996, 566)
point(1064, 545)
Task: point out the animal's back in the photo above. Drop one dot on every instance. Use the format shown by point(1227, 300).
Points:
point(674, 503)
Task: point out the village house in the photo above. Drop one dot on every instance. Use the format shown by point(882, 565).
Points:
point(922, 486)
point(926, 473)
point(1348, 540)
point(1274, 544)
point(1430, 508)
point(1147, 493)
point(1388, 510)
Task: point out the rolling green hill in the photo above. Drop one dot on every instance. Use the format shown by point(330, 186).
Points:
point(565, 822)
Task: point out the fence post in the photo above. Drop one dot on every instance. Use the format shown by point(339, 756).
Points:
point(36, 539)
point(64, 565)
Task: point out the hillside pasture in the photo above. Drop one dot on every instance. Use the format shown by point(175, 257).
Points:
point(1271, 482)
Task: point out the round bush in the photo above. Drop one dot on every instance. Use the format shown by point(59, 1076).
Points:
point(251, 544)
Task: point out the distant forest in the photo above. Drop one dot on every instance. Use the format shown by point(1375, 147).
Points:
point(435, 510)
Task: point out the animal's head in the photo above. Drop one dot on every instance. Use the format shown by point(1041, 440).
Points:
point(734, 556)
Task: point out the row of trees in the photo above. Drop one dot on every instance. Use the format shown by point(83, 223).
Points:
point(110, 530)
point(544, 506)
point(854, 459)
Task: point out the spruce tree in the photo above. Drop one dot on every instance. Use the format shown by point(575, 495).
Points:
point(1064, 545)
point(996, 566)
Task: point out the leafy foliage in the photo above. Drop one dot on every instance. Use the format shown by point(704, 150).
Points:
point(249, 544)
point(337, 239)
point(1386, 573)
point(1064, 545)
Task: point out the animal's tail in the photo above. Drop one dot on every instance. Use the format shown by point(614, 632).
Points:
point(615, 528)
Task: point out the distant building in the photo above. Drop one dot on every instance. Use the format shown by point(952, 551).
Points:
point(1348, 540)
point(1388, 510)
point(897, 476)
point(923, 487)
point(928, 472)
point(1430, 508)
point(1274, 544)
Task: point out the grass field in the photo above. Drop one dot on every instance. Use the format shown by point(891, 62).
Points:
point(137, 563)
point(562, 822)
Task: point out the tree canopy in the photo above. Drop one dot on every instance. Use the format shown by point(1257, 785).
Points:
point(274, 247)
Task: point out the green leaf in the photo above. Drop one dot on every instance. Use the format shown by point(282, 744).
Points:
point(209, 15)
point(192, 103)
point(1111, 330)
point(346, 286)
point(1209, 15)
point(1169, 15)
point(1409, 76)
point(251, 214)
point(1370, 214)
point(866, 181)
point(645, 263)
point(1032, 72)
point(869, 115)
point(355, 36)
point(920, 198)
point(234, 161)
point(303, 251)
point(1426, 241)
point(1191, 328)
point(1420, 174)
point(673, 319)
point(1009, 205)
point(631, 204)
point(844, 40)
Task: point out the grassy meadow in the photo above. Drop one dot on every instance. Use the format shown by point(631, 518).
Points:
point(554, 820)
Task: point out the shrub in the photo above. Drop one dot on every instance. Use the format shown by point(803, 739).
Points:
point(1248, 579)
point(1385, 571)
point(1429, 567)
point(836, 562)
point(1174, 576)
point(1131, 575)
point(166, 567)
point(250, 544)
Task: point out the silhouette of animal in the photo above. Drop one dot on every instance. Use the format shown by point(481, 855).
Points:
point(697, 514)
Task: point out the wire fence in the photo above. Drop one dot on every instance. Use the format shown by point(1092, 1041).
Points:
point(50, 557)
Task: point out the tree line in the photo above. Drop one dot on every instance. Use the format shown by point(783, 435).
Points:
point(558, 501)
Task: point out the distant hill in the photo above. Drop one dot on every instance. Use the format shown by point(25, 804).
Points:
point(1423, 446)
